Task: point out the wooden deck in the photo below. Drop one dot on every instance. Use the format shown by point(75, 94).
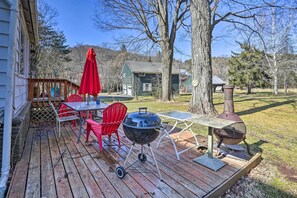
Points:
point(59, 167)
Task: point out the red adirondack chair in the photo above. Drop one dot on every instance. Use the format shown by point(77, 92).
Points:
point(113, 116)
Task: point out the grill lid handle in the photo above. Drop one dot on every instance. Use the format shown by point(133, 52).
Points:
point(142, 108)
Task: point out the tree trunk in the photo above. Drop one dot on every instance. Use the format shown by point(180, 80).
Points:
point(201, 101)
point(167, 58)
point(285, 82)
point(275, 75)
point(249, 89)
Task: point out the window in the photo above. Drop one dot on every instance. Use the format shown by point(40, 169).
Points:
point(21, 57)
point(147, 86)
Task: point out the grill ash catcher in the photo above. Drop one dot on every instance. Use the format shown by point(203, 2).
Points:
point(236, 132)
point(142, 128)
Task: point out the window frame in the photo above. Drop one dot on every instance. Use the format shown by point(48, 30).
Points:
point(147, 87)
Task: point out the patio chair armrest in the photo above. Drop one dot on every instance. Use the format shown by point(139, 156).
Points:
point(68, 112)
point(93, 122)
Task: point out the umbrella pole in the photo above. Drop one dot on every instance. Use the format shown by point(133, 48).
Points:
point(88, 99)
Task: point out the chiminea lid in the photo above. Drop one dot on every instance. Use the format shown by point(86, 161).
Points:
point(142, 119)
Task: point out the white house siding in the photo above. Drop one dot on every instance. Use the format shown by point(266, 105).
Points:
point(21, 82)
point(4, 38)
point(21, 93)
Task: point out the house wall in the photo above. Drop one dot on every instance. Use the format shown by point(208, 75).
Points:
point(4, 43)
point(21, 112)
point(186, 86)
point(140, 79)
point(22, 59)
point(22, 66)
point(175, 83)
point(127, 79)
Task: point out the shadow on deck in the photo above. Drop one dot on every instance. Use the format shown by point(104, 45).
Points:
point(54, 166)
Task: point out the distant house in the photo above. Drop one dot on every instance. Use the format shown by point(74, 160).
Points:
point(186, 83)
point(18, 33)
point(217, 82)
point(143, 78)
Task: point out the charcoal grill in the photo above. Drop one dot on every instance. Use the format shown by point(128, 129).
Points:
point(236, 132)
point(142, 128)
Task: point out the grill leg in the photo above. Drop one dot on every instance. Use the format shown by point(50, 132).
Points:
point(155, 161)
point(128, 154)
point(247, 147)
point(141, 151)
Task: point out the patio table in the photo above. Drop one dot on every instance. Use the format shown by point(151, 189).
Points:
point(180, 118)
point(84, 106)
point(188, 119)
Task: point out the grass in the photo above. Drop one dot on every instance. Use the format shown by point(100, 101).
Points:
point(272, 129)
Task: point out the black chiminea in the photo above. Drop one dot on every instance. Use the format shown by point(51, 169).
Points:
point(234, 133)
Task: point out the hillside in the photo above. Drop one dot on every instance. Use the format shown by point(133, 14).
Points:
point(110, 63)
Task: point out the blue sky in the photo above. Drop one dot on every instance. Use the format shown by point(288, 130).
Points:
point(75, 21)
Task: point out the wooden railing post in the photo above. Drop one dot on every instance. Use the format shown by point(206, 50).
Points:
point(65, 89)
point(30, 90)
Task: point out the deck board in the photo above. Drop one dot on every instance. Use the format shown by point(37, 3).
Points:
point(91, 163)
point(61, 182)
point(55, 166)
point(47, 177)
point(77, 186)
point(80, 162)
point(33, 182)
point(19, 180)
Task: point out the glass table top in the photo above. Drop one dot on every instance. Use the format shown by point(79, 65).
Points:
point(177, 115)
point(198, 119)
point(84, 106)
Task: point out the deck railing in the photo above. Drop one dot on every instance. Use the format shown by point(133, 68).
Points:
point(42, 90)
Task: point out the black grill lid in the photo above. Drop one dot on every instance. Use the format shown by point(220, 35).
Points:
point(142, 119)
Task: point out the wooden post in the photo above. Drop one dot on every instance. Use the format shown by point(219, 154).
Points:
point(65, 89)
point(30, 89)
point(60, 88)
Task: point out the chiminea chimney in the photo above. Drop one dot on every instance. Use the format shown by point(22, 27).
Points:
point(228, 104)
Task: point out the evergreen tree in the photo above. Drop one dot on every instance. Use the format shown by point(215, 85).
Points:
point(52, 51)
point(248, 68)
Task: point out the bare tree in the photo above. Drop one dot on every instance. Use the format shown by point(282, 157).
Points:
point(206, 15)
point(273, 29)
point(220, 67)
point(153, 22)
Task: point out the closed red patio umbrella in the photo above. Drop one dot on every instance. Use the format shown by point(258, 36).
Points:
point(90, 83)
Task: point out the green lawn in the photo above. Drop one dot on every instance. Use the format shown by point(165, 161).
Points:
point(272, 129)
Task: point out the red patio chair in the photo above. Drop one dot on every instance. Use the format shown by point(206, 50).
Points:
point(113, 116)
point(63, 115)
point(74, 98)
point(78, 98)
point(64, 111)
